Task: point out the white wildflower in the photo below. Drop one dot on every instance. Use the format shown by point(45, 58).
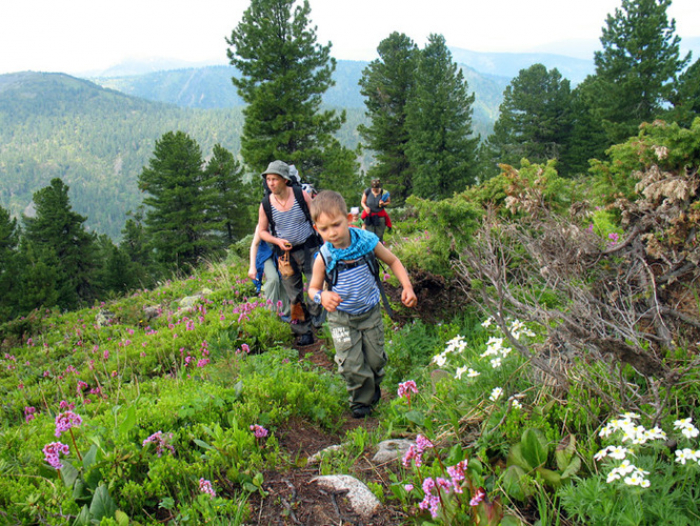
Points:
point(496, 394)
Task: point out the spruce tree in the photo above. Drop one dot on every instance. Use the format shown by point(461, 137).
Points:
point(9, 265)
point(535, 118)
point(229, 197)
point(178, 223)
point(387, 84)
point(637, 68)
point(686, 97)
point(59, 239)
point(441, 150)
point(284, 73)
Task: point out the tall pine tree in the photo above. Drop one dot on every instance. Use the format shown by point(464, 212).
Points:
point(387, 84)
point(9, 266)
point(56, 238)
point(535, 118)
point(178, 223)
point(284, 73)
point(229, 197)
point(439, 119)
point(637, 68)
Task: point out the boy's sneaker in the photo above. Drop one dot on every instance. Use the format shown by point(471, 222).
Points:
point(361, 411)
point(306, 339)
point(377, 395)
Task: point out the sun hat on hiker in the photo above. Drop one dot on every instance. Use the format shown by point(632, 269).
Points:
point(278, 168)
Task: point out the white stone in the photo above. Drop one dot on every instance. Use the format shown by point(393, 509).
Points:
point(362, 500)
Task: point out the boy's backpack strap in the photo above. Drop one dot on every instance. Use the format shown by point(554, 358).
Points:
point(369, 259)
point(373, 265)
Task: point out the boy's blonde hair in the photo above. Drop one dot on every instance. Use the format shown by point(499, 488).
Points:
point(328, 202)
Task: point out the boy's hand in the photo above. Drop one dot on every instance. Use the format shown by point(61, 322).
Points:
point(408, 297)
point(252, 273)
point(330, 300)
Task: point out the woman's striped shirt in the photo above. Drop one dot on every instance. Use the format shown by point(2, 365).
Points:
point(292, 225)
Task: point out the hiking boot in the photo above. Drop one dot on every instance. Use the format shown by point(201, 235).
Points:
point(306, 339)
point(377, 395)
point(361, 411)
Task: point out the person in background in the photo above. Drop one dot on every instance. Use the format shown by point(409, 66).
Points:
point(374, 201)
point(262, 264)
point(355, 220)
point(353, 304)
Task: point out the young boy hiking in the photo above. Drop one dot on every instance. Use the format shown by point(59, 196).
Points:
point(353, 303)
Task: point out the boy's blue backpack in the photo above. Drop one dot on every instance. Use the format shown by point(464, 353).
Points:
point(369, 259)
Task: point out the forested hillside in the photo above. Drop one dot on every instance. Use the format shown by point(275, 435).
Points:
point(96, 140)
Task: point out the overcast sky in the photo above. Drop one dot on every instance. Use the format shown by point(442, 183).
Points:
point(75, 36)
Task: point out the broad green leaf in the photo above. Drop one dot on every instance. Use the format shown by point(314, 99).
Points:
point(565, 451)
point(83, 518)
point(121, 518)
point(534, 447)
point(203, 444)
point(102, 504)
point(572, 468)
point(69, 474)
point(129, 421)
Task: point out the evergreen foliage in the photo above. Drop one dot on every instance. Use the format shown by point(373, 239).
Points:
point(178, 223)
point(9, 263)
point(535, 118)
point(284, 73)
point(228, 196)
point(56, 238)
point(637, 68)
point(387, 84)
point(441, 148)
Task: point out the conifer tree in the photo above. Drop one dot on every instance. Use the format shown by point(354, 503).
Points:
point(439, 119)
point(59, 240)
point(535, 118)
point(284, 73)
point(387, 84)
point(9, 265)
point(686, 97)
point(229, 197)
point(178, 223)
point(637, 68)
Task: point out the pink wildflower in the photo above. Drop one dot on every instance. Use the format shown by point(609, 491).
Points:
point(51, 452)
point(29, 413)
point(66, 421)
point(406, 388)
point(259, 431)
point(206, 487)
point(478, 497)
point(161, 442)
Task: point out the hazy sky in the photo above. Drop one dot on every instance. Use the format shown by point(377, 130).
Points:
point(75, 36)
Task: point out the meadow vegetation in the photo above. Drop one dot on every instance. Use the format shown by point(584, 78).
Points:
point(549, 375)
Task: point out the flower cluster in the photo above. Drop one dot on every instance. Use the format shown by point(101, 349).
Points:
point(415, 451)
point(637, 435)
point(66, 421)
point(206, 487)
point(686, 427)
point(161, 442)
point(29, 413)
point(51, 452)
point(406, 388)
point(259, 431)
point(436, 489)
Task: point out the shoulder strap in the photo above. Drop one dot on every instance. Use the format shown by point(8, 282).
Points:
point(373, 265)
point(370, 259)
point(267, 207)
point(299, 196)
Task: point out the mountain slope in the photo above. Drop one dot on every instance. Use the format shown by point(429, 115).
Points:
point(97, 140)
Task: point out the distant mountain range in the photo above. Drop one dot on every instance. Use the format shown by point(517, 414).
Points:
point(98, 133)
